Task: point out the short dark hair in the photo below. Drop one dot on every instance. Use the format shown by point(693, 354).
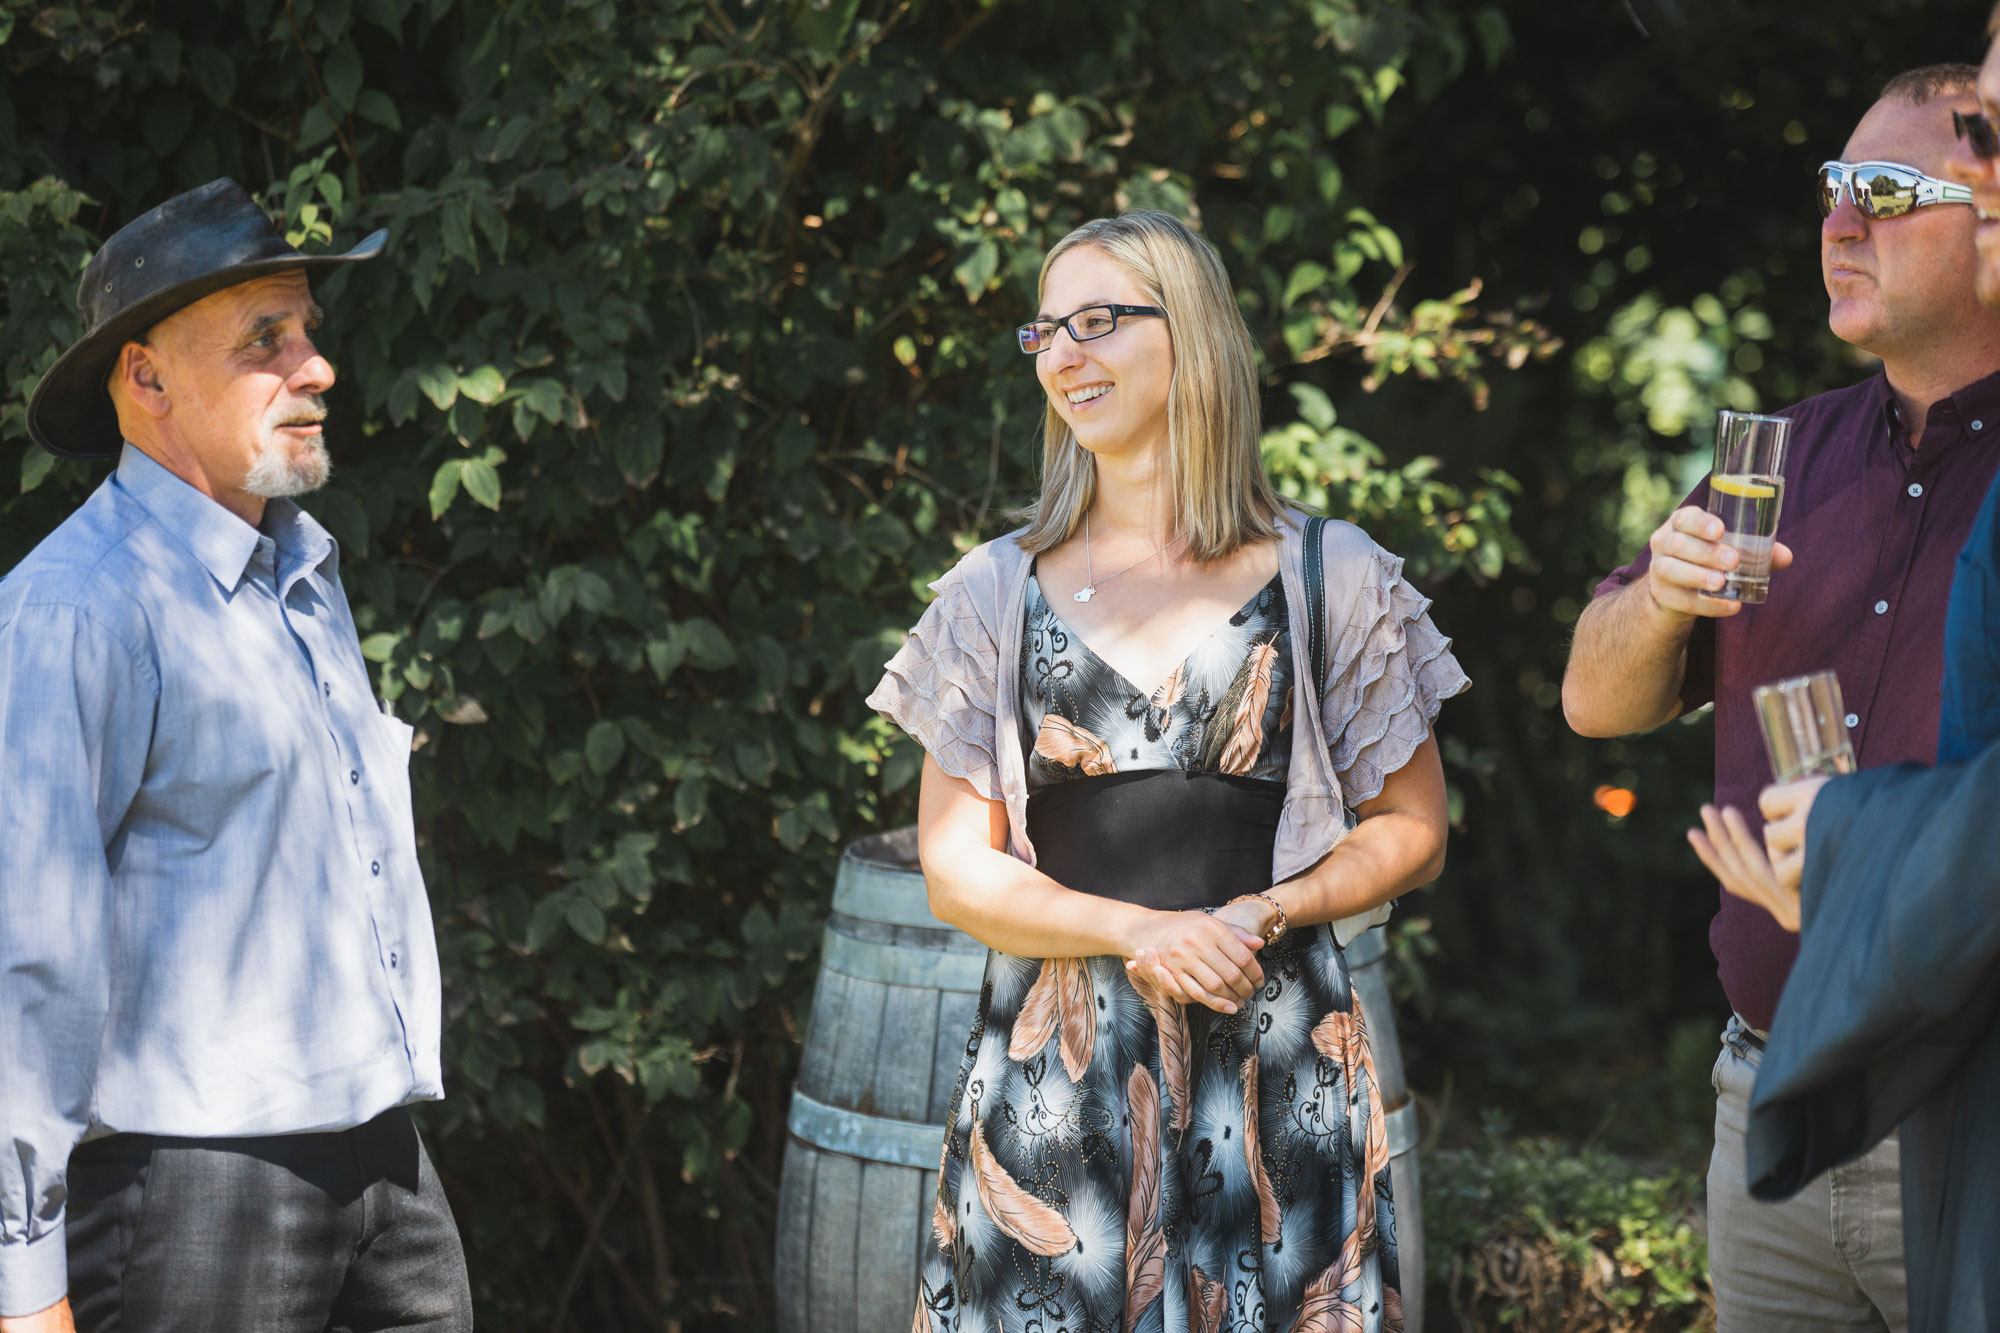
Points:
point(1920, 85)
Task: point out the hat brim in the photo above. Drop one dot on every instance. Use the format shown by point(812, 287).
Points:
point(70, 412)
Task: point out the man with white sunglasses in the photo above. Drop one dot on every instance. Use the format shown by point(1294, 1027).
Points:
point(1892, 1016)
point(1884, 481)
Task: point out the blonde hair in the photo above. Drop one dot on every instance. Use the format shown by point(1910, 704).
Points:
point(1221, 497)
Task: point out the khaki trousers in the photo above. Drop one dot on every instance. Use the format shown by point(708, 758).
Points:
point(1830, 1257)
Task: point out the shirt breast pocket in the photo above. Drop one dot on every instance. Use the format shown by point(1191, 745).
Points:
point(389, 740)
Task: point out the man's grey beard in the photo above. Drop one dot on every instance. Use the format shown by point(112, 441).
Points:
point(279, 471)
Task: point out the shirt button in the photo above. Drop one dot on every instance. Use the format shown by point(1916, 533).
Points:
point(328, 687)
point(374, 867)
point(1852, 720)
point(1915, 490)
point(392, 960)
point(1881, 608)
point(355, 776)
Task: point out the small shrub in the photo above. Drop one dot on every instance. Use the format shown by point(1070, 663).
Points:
point(1532, 1234)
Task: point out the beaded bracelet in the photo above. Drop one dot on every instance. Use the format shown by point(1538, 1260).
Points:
point(1277, 932)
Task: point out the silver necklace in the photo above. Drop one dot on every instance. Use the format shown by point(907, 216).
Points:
point(1089, 588)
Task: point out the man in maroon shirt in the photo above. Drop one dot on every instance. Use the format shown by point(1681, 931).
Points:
point(1882, 485)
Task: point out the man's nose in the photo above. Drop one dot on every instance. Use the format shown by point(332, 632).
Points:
point(314, 374)
point(1846, 222)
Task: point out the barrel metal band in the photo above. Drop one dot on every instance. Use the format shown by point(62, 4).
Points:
point(1401, 1127)
point(878, 893)
point(903, 964)
point(872, 1138)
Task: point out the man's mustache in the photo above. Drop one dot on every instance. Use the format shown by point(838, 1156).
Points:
point(310, 413)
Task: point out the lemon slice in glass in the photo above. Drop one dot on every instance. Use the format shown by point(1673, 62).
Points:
point(1749, 490)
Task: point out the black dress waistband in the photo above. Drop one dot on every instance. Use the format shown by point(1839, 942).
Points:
point(1164, 838)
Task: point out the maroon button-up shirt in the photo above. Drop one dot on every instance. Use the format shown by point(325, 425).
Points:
point(1875, 527)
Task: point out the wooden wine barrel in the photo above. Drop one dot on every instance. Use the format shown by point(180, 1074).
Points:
point(893, 1008)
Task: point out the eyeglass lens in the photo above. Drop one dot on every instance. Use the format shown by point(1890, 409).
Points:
point(1979, 130)
point(1092, 322)
point(1881, 194)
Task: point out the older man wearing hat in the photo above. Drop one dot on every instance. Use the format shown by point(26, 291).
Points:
point(218, 980)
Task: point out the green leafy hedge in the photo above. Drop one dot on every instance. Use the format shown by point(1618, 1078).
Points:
point(688, 366)
point(1531, 1234)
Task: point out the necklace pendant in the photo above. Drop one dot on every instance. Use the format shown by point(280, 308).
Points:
point(1083, 594)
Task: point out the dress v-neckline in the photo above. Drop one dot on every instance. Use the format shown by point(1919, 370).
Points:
point(1186, 657)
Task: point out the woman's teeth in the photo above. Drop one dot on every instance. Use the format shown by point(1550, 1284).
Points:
point(1988, 214)
point(1085, 395)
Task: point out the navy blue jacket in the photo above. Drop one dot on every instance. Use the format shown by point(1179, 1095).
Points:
point(1892, 1013)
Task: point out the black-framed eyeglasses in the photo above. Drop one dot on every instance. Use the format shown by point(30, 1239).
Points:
point(1093, 321)
point(1977, 128)
point(1883, 190)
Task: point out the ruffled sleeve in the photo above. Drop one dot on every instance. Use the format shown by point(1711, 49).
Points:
point(1389, 672)
point(942, 688)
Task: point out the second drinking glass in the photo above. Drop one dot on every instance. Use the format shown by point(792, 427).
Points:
point(1744, 491)
point(1805, 726)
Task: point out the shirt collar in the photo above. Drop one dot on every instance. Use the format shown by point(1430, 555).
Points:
point(1978, 401)
point(220, 541)
point(300, 539)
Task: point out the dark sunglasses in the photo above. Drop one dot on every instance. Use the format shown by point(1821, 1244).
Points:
point(1093, 321)
point(1978, 130)
point(1884, 190)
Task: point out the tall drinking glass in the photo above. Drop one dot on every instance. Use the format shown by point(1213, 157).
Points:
point(1744, 491)
point(1805, 726)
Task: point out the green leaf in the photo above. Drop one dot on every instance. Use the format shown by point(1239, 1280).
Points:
point(975, 272)
point(35, 465)
point(341, 71)
point(440, 385)
point(1306, 278)
point(482, 482)
point(380, 647)
point(707, 644)
point(545, 399)
point(690, 801)
point(482, 385)
point(374, 105)
point(444, 485)
point(545, 921)
point(604, 746)
point(586, 919)
point(315, 126)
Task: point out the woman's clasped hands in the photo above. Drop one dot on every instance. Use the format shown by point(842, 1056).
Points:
point(1199, 957)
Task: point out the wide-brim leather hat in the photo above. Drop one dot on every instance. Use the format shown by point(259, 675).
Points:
point(193, 245)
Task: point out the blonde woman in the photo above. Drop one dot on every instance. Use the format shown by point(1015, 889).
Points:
point(1165, 1119)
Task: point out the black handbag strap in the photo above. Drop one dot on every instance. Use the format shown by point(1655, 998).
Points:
point(1315, 576)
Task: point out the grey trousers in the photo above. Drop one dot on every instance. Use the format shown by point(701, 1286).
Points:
point(1830, 1257)
point(344, 1232)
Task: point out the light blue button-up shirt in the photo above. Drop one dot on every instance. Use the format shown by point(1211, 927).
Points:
point(212, 921)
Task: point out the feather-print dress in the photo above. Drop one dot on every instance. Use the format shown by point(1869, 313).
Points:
point(1119, 1163)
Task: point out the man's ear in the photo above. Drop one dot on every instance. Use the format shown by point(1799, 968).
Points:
point(136, 379)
